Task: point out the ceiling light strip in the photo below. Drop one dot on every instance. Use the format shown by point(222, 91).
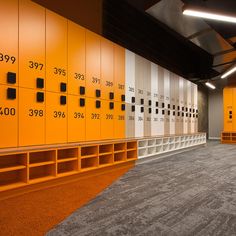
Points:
point(227, 73)
point(210, 85)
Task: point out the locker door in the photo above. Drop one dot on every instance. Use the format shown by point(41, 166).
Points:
point(172, 103)
point(119, 120)
point(167, 101)
point(93, 119)
point(130, 120)
point(154, 83)
point(56, 118)
point(76, 118)
point(228, 109)
point(147, 120)
point(192, 108)
point(161, 101)
point(161, 123)
point(31, 117)
point(196, 108)
point(9, 42)
point(234, 110)
point(129, 76)
point(119, 73)
point(154, 121)
point(139, 121)
point(189, 105)
point(139, 80)
point(107, 120)
point(56, 51)
point(76, 59)
point(31, 43)
point(177, 106)
point(8, 116)
point(107, 69)
point(147, 81)
point(185, 101)
point(181, 102)
point(93, 53)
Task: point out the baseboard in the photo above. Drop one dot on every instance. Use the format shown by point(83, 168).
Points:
point(214, 138)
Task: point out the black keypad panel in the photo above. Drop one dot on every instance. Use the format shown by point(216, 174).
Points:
point(133, 99)
point(122, 97)
point(150, 110)
point(150, 102)
point(133, 108)
point(123, 107)
point(98, 104)
point(156, 111)
point(40, 83)
point(111, 105)
point(98, 93)
point(11, 93)
point(82, 90)
point(142, 109)
point(63, 87)
point(63, 100)
point(82, 102)
point(40, 97)
point(111, 95)
point(11, 78)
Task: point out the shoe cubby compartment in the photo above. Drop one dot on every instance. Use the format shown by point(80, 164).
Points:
point(106, 159)
point(12, 162)
point(165, 141)
point(159, 141)
point(165, 147)
point(142, 152)
point(13, 178)
point(105, 149)
point(89, 151)
point(89, 163)
point(132, 155)
point(67, 167)
point(67, 154)
point(42, 158)
point(151, 150)
point(119, 147)
point(151, 142)
point(158, 149)
point(131, 145)
point(177, 145)
point(143, 143)
point(118, 157)
point(40, 173)
point(171, 146)
point(171, 140)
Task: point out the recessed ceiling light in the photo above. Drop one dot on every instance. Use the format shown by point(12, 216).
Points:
point(229, 72)
point(204, 13)
point(210, 85)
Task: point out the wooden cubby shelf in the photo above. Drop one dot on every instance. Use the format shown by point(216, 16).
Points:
point(228, 137)
point(42, 163)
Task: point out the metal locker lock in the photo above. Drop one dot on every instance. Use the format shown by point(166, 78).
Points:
point(82, 90)
point(111, 95)
point(168, 113)
point(156, 104)
point(82, 102)
point(156, 111)
point(11, 93)
point(141, 109)
point(150, 102)
point(63, 87)
point(133, 108)
point(63, 100)
point(40, 83)
point(111, 105)
point(98, 93)
point(133, 99)
point(141, 101)
point(11, 77)
point(163, 112)
point(40, 97)
point(150, 110)
point(173, 113)
point(163, 105)
point(168, 106)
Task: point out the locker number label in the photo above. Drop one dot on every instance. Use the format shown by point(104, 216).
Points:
point(131, 117)
point(35, 65)
point(121, 117)
point(121, 86)
point(109, 84)
point(131, 89)
point(140, 118)
point(96, 80)
point(140, 91)
point(7, 111)
point(59, 114)
point(109, 117)
point(95, 116)
point(35, 112)
point(7, 58)
point(79, 76)
point(79, 115)
point(59, 71)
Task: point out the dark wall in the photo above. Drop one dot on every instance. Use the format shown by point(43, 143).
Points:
point(203, 109)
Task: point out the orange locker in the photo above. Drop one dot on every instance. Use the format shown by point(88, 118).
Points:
point(56, 52)
point(31, 44)
point(119, 73)
point(93, 53)
point(107, 71)
point(9, 42)
point(107, 120)
point(56, 118)
point(228, 109)
point(76, 59)
point(31, 117)
point(93, 119)
point(8, 116)
point(76, 118)
point(119, 120)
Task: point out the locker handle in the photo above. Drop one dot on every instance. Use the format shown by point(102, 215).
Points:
point(82, 102)
point(168, 106)
point(40, 83)
point(11, 93)
point(142, 109)
point(63, 100)
point(123, 107)
point(111, 105)
point(63, 87)
point(122, 97)
point(40, 97)
point(173, 107)
point(163, 112)
point(111, 95)
point(163, 105)
point(133, 108)
point(141, 101)
point(150, 102)
point(98, 93)
point(133, 99)
point(150, 110)
point(98, 104)
point(156, 104)
point(82, 90)
point(156, 111)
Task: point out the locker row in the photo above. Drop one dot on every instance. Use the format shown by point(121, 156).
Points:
point(38, 43)
point(57, 118)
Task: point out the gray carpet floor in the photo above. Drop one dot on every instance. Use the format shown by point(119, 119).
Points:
point(191, 193)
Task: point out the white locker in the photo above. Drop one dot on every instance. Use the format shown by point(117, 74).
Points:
point(181, 102)
point(129, 76)
point(147, 120)
point(130, 120)
point(189, 104)
point(196, 108)
point(139, 80)
point(147, 82)
point(192, 108)
point(185, 95)
point(154, 121)
point(154, 84)
point(139, 121)
point(167, 101)
point(172, 103)
point(161, 102)
point(177, 106)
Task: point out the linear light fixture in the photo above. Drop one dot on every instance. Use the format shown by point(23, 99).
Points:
point(229, 72)
point(204, 13)
point(208, 84)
